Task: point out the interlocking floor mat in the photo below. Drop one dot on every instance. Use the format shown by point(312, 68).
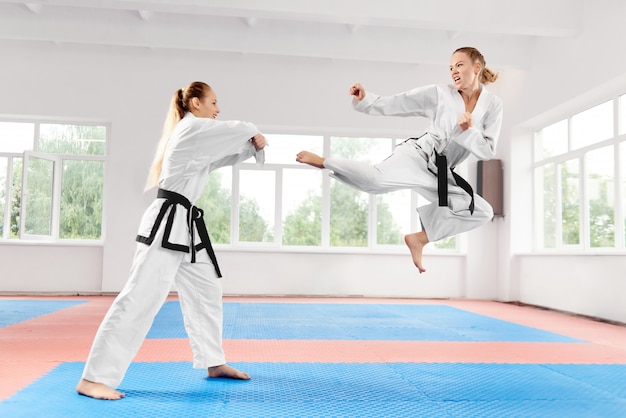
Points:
point(15, 311)
point(397, 322)
point(175, 389)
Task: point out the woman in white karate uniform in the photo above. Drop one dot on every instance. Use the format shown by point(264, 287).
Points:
point(464, 118)
point(173, 245)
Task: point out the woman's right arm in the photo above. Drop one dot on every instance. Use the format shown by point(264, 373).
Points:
point(420, 101)
point(257, 150)
point(223, 138)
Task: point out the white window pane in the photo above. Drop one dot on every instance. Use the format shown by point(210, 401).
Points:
point(81, 199)
point(592, 125)
point(349, 212)
point(623, 183)
point(446, 243)
point(622, 114)
point(15, 198)
point(4, 162)
point(393, 217)
point(72, 139)
point(282, 149)
point(256, 205)
point(302, 207)
point(38, 200)
point(570, 202)
point(546, 195)
point(16, 137)
point(551, 141)
point(216, 201)
point(349, 208)
point(601, 194)
point(370, 150)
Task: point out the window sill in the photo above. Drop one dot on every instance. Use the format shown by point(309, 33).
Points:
point(575, 253)
point(49, 243)
point(400, 250)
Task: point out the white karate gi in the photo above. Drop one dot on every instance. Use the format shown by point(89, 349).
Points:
point(412, 164)
point(196, 147)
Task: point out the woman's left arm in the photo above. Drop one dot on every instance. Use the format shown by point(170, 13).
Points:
point(482, 140)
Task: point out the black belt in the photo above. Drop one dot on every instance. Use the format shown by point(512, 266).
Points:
point(194, 217)
point(442, 182)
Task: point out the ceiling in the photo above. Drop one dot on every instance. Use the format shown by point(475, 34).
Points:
point(413, 32)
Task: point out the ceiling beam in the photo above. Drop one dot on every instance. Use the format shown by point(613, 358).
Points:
point(531, 17)
point(284, 38)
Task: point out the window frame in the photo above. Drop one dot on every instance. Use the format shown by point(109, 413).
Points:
point(10, 156)
point(618, 144)
point(58, 161)
point(55, 198)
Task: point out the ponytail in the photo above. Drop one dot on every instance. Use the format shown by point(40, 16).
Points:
point(487, 75)
point(177, 110)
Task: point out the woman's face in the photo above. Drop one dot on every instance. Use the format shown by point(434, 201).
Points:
point(464, 73)
point(207, 106)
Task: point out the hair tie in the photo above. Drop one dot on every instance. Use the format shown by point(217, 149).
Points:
point(181, 99)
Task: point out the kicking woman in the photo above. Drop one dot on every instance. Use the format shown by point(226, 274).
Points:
point(464, 118)
point(173, 245)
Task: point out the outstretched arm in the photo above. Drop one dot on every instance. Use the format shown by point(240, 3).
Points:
point(357, 91)
point(420, 101)
point(229, 142)
point(257, 150)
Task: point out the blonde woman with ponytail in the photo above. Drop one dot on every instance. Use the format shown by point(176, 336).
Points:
point(173, 245)
point(464, 118)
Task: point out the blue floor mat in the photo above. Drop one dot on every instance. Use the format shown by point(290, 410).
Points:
point(338, 390)
point(15, 311)
point(391, 322)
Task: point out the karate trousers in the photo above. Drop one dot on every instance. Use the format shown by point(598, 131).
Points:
point(130, 317)
point(406, 168)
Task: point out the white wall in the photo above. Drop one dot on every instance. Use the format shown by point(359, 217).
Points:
point(566, 76)
point(50, 268)
point(250, 273)
point(591, 285)
point(130, 89)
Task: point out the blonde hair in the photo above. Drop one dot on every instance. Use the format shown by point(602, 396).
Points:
point(179, 105)
point(487, 75)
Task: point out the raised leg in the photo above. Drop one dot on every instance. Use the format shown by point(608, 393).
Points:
point(416, 243)
point(306, 157)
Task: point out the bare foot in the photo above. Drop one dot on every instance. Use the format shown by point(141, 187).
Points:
point(416, 243)
point(97, 391)
point(309, 158)
point(228, 372)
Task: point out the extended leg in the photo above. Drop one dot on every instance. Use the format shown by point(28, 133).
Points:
point(401, 170)
point(128, 320)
